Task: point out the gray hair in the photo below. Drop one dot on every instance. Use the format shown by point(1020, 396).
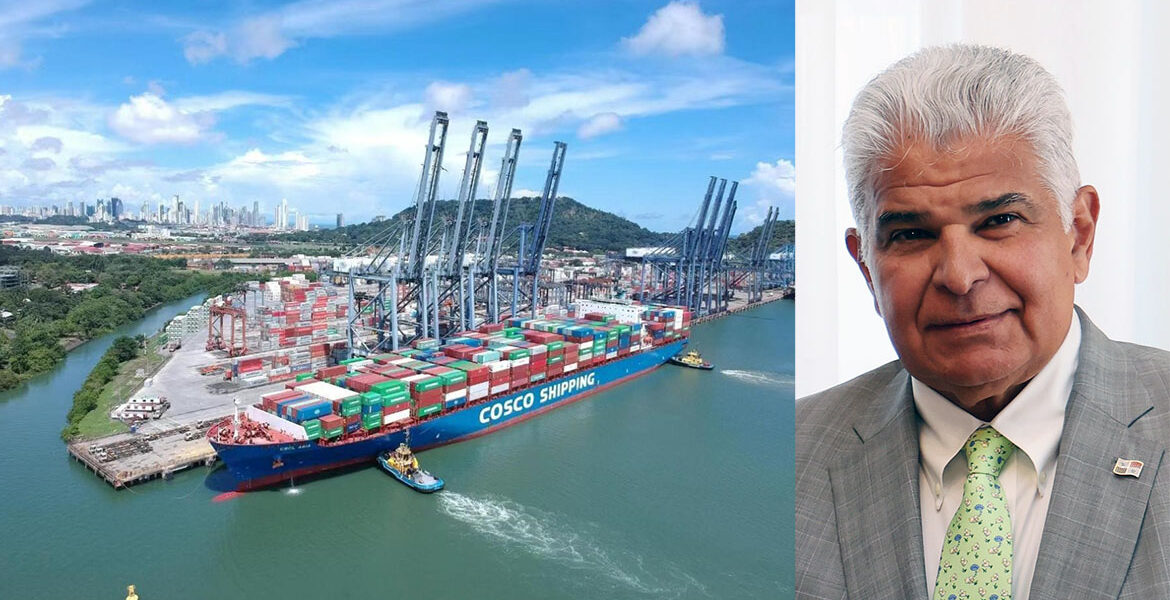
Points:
point(944, 94)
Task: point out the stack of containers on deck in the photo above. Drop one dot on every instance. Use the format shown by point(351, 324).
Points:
point(395, 400)
point(454, 385)
point(427, 393)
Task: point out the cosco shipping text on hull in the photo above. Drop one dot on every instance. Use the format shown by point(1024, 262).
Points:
point(259, 465)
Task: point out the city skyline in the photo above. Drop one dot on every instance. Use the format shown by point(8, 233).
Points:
point(328, 104)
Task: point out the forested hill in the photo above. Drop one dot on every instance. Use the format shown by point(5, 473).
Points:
point(741, 245)
point(574, 225)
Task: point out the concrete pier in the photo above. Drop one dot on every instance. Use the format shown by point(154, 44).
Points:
point(129, 458)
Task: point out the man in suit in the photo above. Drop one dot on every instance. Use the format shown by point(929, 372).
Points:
point(1012, 451)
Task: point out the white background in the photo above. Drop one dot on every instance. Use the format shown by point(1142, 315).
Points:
point(1113, 61)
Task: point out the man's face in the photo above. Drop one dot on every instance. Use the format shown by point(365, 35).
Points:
point(970, 266)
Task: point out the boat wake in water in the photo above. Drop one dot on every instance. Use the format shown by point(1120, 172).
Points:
point(760, 378)
point(548, 536)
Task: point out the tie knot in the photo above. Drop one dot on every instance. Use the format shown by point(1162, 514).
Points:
point(987, 451)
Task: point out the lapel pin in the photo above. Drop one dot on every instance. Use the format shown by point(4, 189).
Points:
point(1133, 468)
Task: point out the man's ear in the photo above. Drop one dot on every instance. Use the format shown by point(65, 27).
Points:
point(1086, 205)
point(853, 244)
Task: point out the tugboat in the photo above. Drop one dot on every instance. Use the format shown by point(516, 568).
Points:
point(403, 465)
point(693, 360)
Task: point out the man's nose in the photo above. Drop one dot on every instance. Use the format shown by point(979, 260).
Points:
point(959, 264)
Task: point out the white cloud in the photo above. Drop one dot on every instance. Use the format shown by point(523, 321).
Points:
point(268, 35)
point(600, 124)
point(260, 37)
point(228, 100)
point(446, 96)
point(11, 53)
point(16, 21)
point(772, 185)
point(511, 89)
point(256, 37)
point(46, 144)
point(527, 193)
point(280, 169)
point(204, 46)
point(148, 119)
point(679, 28)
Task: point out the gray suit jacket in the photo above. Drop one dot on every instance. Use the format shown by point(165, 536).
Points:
point(858, 524)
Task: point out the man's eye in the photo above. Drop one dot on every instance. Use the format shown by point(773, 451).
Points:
point(908, 235)
point(1002, 219)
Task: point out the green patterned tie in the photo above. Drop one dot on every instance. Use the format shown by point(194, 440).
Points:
point(977, 552)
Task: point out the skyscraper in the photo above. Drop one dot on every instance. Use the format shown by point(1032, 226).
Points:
point(340, 221)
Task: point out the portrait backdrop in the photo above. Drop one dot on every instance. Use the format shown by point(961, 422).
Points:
point(1113, 61)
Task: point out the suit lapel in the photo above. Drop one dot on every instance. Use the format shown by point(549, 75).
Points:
point(1095, 517)
point(875, 494)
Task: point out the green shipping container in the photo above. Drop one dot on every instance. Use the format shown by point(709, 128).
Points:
point(350, 361)
point(373, 421)
point(386, 387)
point(304, 376)
point(555, 359)
point(311, 424)
point(330, 433)
point(371, 398)
point(351, 410)
point(453, 377)
point(312, 435)
point(429, 410)
point(429, 384)
point(392, 401)
point(556, 345)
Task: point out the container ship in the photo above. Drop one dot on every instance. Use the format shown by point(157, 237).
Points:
point(473, 383)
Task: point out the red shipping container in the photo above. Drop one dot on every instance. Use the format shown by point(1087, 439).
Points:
point(332, 422)
point(429, 397)
point(556, 369)
point(350, 420)
point(330, 372)
point(363, 383)
point(523, 381)
point(478, 376)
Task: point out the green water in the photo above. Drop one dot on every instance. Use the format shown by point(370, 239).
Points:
point(675, 485)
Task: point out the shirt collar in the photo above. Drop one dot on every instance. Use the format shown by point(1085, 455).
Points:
point(1033, 420)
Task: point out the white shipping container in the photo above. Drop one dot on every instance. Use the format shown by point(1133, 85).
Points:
point(454, 395)
point(570, 367)
point(520, 362)
point(609, 355)
point(396, 416)
point(503, 387)
point(473, 396)
point(498, 365)
point(480, 387)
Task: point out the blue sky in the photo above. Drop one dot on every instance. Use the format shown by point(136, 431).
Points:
point(328, 102)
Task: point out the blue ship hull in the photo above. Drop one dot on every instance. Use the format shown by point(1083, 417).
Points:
point(260, 465)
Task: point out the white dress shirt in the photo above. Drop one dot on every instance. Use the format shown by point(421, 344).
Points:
point(1032, 421)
